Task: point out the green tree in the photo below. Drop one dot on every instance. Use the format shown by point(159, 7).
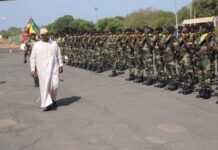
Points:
point(183, 14)
point(201, 8)
point(83, 25)
point(136, 20)
point(162, 19)
point(110, 24)
point(13, 31)
point(205, 8)
point(149, 17)
point(69, 22)
point(61, 23)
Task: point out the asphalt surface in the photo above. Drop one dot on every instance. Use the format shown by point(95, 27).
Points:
point(100, 113)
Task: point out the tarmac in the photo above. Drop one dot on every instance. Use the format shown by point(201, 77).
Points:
point(96, 112)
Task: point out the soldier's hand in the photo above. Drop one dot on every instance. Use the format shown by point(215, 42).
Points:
point(61, 69)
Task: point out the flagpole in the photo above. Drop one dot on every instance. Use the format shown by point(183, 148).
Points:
point(176, 15)
point(191, 9)
point(96, 13)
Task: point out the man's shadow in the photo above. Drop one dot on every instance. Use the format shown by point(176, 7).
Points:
point(67, 101)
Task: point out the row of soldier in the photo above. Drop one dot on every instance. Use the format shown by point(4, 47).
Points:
point(185, 59)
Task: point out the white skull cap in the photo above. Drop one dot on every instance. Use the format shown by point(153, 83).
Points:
point(43, 31)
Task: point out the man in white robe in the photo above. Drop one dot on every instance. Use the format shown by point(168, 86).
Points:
point(46, 63)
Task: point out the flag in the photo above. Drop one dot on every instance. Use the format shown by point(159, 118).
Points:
point(32, 27)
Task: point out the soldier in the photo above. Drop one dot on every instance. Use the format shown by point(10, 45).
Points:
point(206, 59)
point(131, 62)
point(169, 58)
point(140, 55)
point(28, 49)
point(114, 48)
point(150, 56)
point(187, 60)
point(149, 75)
point(159, 39)
point(28, 46)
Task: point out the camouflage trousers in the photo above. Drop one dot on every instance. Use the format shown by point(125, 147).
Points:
point(148, 67)
point(170, 69)
point(131, 66)
point(140, 67)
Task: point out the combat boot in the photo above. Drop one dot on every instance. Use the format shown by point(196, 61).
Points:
point(114, 74)
point(205, 93)
point(162, 84)
point(85, 66)
point(94, 68)
point(139, 79)
point(131, 77)
point(100, 69)
point(149, 81)
point(187, 89)
point(89, 67)
point(173, 85)
point(80, 65)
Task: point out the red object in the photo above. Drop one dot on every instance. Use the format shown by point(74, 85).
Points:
point(25, 37)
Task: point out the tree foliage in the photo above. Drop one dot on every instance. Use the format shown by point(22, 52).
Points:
point(149, 17)
point(205, 8)
point(162, 18)
point(201, 8)
point(139, 19)
point(69, 22)
point(110, 24)
point(60, 23)
point(136, 19)
point(83, 25)
point(13, 31)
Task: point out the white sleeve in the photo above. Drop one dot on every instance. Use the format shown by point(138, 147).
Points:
point(59, 56)
point(33, 59)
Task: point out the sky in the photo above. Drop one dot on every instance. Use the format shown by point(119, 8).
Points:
point(16, 13)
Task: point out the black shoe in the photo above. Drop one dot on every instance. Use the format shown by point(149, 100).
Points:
point(47, 108)
point(50, 107)
point(55, 103)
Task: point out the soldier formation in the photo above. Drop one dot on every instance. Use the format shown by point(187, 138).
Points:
point(186, 59)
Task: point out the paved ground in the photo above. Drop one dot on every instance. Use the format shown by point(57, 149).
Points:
point(100, 113)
